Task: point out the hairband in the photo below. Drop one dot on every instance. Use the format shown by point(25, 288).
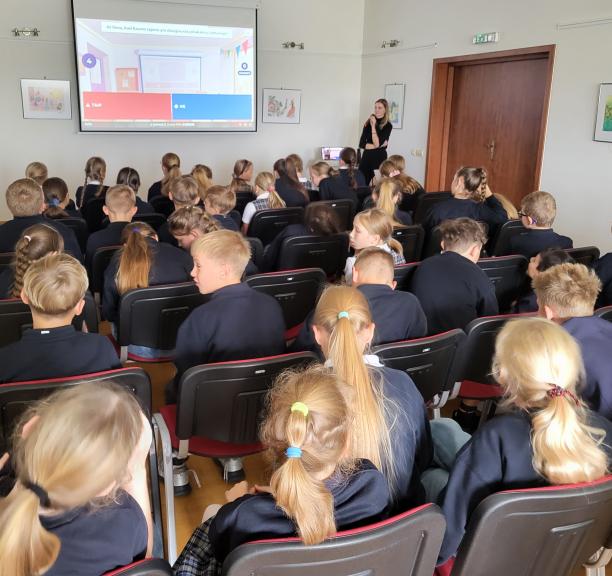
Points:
point(293, 452)
point(28, 238)
point(40, 492)
point(557, 391)
point(343, 314)
point(300, 407)
point(54, 202)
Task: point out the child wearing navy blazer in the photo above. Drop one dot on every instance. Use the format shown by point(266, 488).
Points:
point(130, 177)
point(171, 169)
point(219, 201)
point(183, 191)
point(57, 200)
point(93, 187)
point(288, 184)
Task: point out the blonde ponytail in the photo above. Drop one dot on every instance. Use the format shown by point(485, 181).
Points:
point(265, 181)
point(539, 364)
point(377, 222)
point(136, 257)
point(389, 192)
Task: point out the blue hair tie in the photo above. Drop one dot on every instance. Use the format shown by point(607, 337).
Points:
point(343, 314)
point(293, 452)
point(54, 202)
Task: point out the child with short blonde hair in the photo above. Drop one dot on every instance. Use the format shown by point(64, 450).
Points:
point(37, 171)
point(219, 201)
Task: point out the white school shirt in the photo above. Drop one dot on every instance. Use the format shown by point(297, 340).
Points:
point(350, 262)
point(249, 209)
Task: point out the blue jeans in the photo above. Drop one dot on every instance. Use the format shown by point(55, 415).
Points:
point(144, 351)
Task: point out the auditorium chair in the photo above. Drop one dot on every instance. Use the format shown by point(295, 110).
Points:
point(585, 255)
point(403, 274)
point(344, 209)
point(363, 192)
point(432, 243)
point(99, 263)
point(429, 361)
point(326, 252)
point(536, 531)
point(154, 220)
point(425, 202)
point(6, 260)
point(406, 545)
point(148, 567)
point(93, 214)
point(162, 205)
point(266, 224)
point(605, 313)
point(242, 199)
point(80, 229)
point(500, 244)
point(152, 316)
point(297, 292)
point(508, 274)
point(411, 238)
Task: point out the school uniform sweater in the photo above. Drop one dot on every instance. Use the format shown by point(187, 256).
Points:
point(55, 353)
point(337, 188)
point(358, 175)
point(603, 268)
point(453, 291)
point(97, 540)
point(11, 231)
point(7, 278)
point(154, 190)
point(227, 222)
point(143, 207)
point(164, 235)
point(490, 211)
point(497, 457)
point(533, 241)
point(109, 236)
point(170, 266)
point(594, 335)
point(292, 196)
point(359, 499)
point(87, 193)
point(403, 217)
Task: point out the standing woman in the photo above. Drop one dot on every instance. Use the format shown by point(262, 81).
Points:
point(374, 139)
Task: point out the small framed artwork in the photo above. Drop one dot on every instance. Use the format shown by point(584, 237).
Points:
point(603, 123)
point(394, 95)
point(281, 106)
point(48, 99)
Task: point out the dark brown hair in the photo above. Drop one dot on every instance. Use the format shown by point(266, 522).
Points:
point(322, 220)
point(55, 191)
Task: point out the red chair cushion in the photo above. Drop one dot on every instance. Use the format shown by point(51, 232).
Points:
point(446, 568)
point(205, 446)
point(479, 391)
point(293, 332)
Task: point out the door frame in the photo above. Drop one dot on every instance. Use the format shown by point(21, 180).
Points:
point(442, 100)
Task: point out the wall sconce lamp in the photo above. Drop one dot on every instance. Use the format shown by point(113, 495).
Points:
point(292, 44)
point(27, 32)
point(390, 44)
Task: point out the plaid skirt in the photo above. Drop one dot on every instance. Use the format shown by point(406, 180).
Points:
point(197, 558)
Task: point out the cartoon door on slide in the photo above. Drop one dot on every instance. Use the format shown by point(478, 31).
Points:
point(98, 74)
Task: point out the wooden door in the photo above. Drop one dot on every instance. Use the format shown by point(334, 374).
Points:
point(490, 110)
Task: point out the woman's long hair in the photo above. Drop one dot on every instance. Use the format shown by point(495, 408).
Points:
point(385, 119)
point(135, 257)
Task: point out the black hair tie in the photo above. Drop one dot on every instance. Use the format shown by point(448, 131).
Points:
point(40, 492)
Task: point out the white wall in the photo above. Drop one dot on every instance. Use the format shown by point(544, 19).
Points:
point(577, 170)
point(328, 72)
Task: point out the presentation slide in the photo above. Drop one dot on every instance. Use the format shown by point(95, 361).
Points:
point(149, 76)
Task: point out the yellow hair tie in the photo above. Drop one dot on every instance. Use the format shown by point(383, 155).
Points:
point(300, 407)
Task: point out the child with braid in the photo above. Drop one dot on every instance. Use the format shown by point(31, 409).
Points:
point(316, 488)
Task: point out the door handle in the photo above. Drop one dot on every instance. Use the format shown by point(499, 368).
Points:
point(491, 147)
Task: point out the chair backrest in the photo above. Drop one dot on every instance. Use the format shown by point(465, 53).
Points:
point(432, 244)
point(326, 252)
point(344, 208)
point(362, 193)
point(93, 214)
point(162, 205)
point(223, 401)
point(257, 251)
point(411, 238)
point(154, 220)
point(428, 361)
point(148, 567)
point(266, 224)
point(100, 261)
point(297, 291)
point(605, 313)
point(426, 201)
point(242, 199)
point(80, 229)
point(403, 275)
point(500, 245)
point(537, 531)
point(508, 274)
point(6, 260)
point(152, 316)
point(16, 397)
point(89, 315)
point(585, 255)
point(407, 544)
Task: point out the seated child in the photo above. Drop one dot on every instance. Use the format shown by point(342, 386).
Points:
point(171, 169)
point(119, 207)
point(37, 171)
point(547, 438)
point(603, 268)
point(219, 203)
point(267, 198)
point(348, 169)
point(189, 223)
point(54, 287)
point(372, 228)
point(317, 487)
point(237, 322)
point(538, 211)
point(130, 177)
point(566, 294)
point(183, 191)
point(331, 185)
point(297, 161)
point(288, 184)
point(57, 200)
point(242, 176)
point(202, 174)
point(451, 287)
point(388, 195)
point(25, 200)
point(81, 501)
point(412, 190)
point(95, 173)
point(34, 243)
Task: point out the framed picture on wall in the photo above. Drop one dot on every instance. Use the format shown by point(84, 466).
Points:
point(48, 99)
point(281, 106)
point(603, 123)
point(394, 95)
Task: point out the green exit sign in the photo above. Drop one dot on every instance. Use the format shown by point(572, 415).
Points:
point(485, 38)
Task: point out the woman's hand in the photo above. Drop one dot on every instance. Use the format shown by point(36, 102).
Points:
point(372, 121)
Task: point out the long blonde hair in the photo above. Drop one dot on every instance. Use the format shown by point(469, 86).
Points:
point(203, 177)
point(343, 312)
point(265, 181)
point(172, 163)
point(319, 428)
point(389, 192)
point(136, 257)
point(539, 364)
point(377, 222)
point(101, 419)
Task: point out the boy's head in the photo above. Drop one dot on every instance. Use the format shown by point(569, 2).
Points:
point(120, 203)
point(24, 197)
point(54, 287)
point(464, 236)
point(187, 224)
point(219, 260)
point(183, 191)
point(566, 291)
point(374, 266)
point(37, 171)
point(219, 200)
point(538, 210)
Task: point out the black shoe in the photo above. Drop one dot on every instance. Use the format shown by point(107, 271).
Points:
point(467, 419)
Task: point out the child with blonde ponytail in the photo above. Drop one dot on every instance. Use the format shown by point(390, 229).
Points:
point(317, 486)
point(388, 196)
point(548, 436)
point(267, 198)
point(80, 504)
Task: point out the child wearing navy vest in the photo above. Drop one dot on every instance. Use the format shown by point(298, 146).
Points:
point(219, 202)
